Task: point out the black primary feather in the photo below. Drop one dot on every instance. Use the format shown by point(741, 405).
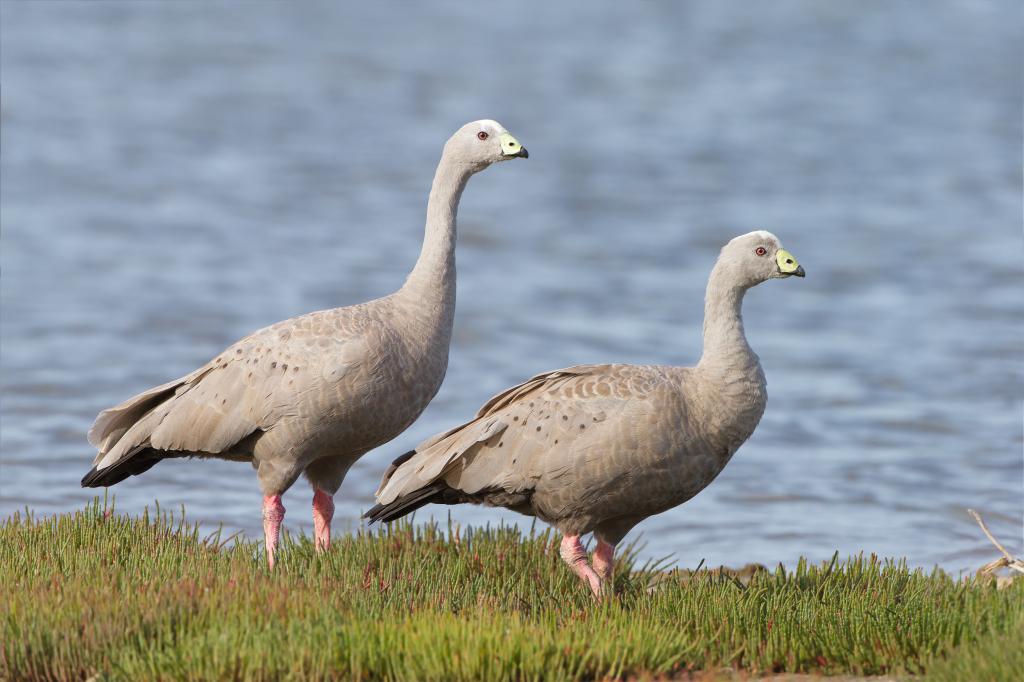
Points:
point(114, 474)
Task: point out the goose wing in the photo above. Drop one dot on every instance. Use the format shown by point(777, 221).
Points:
point(531, 434)
point(275, 373)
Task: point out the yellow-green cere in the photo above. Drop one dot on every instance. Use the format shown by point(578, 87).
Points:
point(509, 145)
point(787, 261)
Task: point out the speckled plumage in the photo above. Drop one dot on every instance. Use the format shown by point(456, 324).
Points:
point(328, 385)
point(314, 393)
point(599, 448)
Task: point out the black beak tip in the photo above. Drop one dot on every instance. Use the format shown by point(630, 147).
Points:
point(799, 272)
point(523, 153)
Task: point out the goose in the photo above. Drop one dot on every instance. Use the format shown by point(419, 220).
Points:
point(312, 394)
point(599, 448)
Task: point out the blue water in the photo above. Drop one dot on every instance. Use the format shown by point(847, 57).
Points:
point(176, 175)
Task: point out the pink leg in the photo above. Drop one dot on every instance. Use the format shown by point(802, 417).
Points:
point(273, 515)
point(323, 512)
point(604, 559)
point(573, 554)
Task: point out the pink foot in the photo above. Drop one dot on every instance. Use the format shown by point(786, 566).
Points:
point(573, 554)
point(323, 512)
point(604, 559)
point(273, 515)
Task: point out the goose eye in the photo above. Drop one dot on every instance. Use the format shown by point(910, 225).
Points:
point(482, 135)
point(760, 251)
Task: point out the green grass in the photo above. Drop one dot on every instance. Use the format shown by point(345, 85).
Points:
point(151, 598)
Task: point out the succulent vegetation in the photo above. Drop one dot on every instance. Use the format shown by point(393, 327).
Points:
point(99, 594)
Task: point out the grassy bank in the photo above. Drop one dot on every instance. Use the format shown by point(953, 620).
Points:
point(150, 598)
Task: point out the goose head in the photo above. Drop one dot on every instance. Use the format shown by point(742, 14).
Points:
point(756, 257)
point(479, 144)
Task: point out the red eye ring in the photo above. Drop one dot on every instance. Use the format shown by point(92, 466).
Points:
point(482, 135)
point(760, 251)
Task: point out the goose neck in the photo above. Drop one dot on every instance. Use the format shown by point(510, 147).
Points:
point(725, 341)
point(435, 269)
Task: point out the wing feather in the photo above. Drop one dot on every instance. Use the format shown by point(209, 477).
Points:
point(530, 431)
point(242, 391)
point(112, 423)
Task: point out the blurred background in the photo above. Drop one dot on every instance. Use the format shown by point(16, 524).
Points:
point(176, 175)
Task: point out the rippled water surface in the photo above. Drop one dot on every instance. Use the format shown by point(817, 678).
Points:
point(176, 175)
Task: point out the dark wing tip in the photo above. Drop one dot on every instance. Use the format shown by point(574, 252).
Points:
point(91, 478)
point(374, 513)
point(405, 505)
point(403, 459)
point(115, 473)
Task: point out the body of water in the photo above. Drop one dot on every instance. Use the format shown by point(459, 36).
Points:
point(176, 175)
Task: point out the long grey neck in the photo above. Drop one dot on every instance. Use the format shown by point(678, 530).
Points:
point(726, 350)
point(432, 280)
point(729, 382)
